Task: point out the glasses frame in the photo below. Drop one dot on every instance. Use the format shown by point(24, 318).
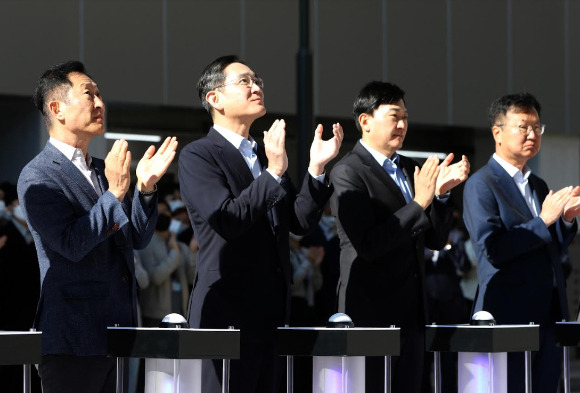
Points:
point(239, 82)
point(528, 131)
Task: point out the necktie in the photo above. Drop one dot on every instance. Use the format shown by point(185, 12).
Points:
point(391, 168)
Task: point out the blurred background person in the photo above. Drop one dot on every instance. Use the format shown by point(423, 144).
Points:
point(19, 279)
point(325, 235)
point(163, 257)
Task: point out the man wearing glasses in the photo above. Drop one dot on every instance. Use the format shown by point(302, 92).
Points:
point(519, 229)
point(243, 205)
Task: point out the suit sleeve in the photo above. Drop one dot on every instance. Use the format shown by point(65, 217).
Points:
point(64, 225)
point(372, 239)
point(205, 189)
point(143, 218)
point(306, 207)
point(494, 240)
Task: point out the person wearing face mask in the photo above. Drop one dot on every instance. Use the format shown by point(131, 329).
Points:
point(18, 280)
point(162, 258)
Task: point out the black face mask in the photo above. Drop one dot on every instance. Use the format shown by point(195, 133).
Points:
point(163, 221)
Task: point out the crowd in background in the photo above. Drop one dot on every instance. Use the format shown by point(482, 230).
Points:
point(165, 272)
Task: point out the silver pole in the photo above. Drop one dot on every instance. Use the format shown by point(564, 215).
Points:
point(387, 374)
point(528, 358)
point(566, 369)
point(437, 371)
point(290, 374)
point(120, 373)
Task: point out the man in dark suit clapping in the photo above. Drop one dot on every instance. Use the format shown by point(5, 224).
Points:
point(243, 205)
point(388, 210)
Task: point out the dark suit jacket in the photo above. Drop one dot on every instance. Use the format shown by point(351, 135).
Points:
point(519, 259)
point(243, 267)
point(382, 240)
point(85, 252)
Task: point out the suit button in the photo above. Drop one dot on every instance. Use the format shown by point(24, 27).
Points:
point(125, 278)
point(113, 229)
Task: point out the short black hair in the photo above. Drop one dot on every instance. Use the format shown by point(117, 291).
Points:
point(519, 102)
point(54, 83)
point(373, 95)
point(212, 76)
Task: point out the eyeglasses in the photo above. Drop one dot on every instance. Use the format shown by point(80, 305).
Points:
point(526, 130)
point(245, 80)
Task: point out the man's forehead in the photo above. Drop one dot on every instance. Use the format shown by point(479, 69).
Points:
point(516, 112)
point(238, 69)
point(78, 79)
point(394, 107)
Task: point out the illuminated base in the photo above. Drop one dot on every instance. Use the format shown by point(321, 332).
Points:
point(169, 376)
point(338, 374)
point(482, 372)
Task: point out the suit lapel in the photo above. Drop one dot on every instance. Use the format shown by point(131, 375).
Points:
point(232, 159)
point(99, 168)
point(514, 197)
point(71, 171)
point(378, 171)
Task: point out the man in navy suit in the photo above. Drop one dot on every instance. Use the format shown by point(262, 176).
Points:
point(85, 228)
point(386, 218)
point(519, 229)
point(242, 205)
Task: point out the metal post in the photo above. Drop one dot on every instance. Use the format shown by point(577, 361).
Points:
point(387, 374)
point(437, 371)
point(120, 373)
point(528, 359)
point(226, 373)
point(304, 87)
point(26, 382)
point(290, 374)
point(175, 375)
point(566, 369)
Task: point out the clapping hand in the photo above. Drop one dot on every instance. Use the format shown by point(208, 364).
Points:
point(451, 175)
point(154, 165)
point(321, 151)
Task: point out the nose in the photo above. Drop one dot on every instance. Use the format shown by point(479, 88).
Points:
point(256, 87)
point(99, 103)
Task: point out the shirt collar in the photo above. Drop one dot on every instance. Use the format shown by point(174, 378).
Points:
point(69, 151)
point(236, 139)
point(382, 159)
point(515, 173)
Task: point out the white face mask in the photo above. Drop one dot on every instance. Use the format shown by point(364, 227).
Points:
point(328, 221)
point(4, 213)
point(19, 213)
point(176, 226)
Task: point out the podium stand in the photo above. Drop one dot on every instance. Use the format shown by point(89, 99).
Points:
point(173, 343)
point(490, 342)
point(20, 348)
point(567, 335)
point(348, 345)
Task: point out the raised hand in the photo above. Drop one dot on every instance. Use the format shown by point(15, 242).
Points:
point(275, 146)
point(451, 175)
point(321, 152)
point(154, 165)
point(425, 181)
point(572, 208)
point(555, 202)
point(117, 169)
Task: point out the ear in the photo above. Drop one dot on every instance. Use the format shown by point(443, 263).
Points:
point(56, 109)
point(364, 120)
point(497, 133)
point(213, 98)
